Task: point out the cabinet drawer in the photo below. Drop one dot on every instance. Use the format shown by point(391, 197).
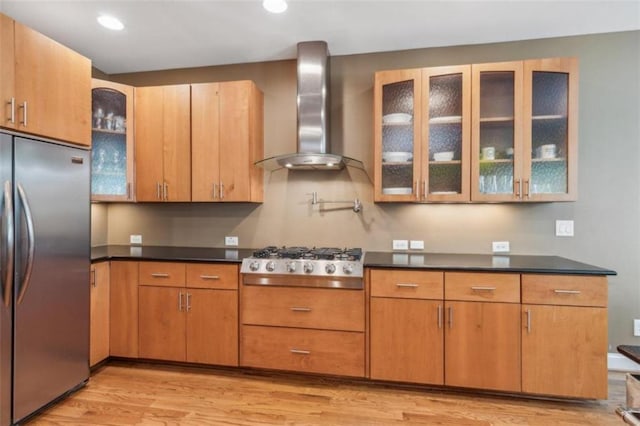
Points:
point(482, 287)
point(162, 274)
point(570, 290)
point(329, 309)
point(295, 349)
point(407, 284)
point(211, 275)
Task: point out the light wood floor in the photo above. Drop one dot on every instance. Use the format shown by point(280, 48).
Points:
point(149, 394)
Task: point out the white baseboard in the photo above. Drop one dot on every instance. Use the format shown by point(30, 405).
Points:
point(619, 362)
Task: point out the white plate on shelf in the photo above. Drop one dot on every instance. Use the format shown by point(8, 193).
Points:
point(397, 191)
point(396, 118)
point(446, 119)
point(396, 156)
point(443, 156)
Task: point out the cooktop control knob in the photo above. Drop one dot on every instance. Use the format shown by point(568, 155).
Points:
point(348, 268)
point(330, 268)
point(308, 267)
point(254, 266)
point(271, 266)
point(291, 266)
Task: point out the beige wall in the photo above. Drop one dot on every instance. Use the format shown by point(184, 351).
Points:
point(606, 214)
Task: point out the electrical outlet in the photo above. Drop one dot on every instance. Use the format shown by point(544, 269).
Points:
point(564, 228)
point(400, 244)
point(500, 246)
point(135, 239)
point(230, 241)
point(636, 327)
point(416, 245)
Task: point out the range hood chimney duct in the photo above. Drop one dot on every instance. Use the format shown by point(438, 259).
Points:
point(314, 148)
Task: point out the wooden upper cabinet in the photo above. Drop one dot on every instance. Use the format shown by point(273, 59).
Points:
point(227, 139)
point(163, 143)
point(47, 90)
point(397, 128)
point(112, 177)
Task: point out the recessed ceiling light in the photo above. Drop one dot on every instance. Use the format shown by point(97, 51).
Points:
point(275, 6)
point(110, 22)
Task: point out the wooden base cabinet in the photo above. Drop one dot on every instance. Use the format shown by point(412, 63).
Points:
point(123, 309)
point(406, 329)
point(189, 312)
point(482, 333)
point(564, 336)
point(45, 87)
point(99, 317)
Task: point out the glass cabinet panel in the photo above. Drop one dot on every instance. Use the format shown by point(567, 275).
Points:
point(111, 156)
point(397, 133)
point(447, 92)
point(549, 132)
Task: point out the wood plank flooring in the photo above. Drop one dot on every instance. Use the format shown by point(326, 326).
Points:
point(123, 393)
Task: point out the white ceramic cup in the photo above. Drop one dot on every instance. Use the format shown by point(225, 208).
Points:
point(488, 153)
point(547, 151)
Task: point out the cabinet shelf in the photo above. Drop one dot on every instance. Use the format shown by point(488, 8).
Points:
point(445, 163)
point(548, 117)
point(548, 160)
point(499, 161)
point(505, 119)
point(451, 119)
point(397, 163)
point(110, 132)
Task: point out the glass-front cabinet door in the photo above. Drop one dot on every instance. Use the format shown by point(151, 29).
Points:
point(397, 118)
point(446, 124)
point(112, 142)
point(496, 132)
point(550, 131)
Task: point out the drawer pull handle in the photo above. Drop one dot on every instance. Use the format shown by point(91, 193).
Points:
point(480, 288)
point(528, 321)
point(210, 277)
point(300, 309)
point(557, 291)
point(159, 275)
point(300, 352)
point(439, 316)
point(407, 285)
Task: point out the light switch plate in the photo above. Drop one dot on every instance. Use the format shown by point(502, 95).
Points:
point(564, 228)
point(135, 239)
point(400, 244)
point(416, 245)
point(231, 241)
point(500, 246)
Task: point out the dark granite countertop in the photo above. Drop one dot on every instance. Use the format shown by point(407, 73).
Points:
point(482, 262)
point(414, 260)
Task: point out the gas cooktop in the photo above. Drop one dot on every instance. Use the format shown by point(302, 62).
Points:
point(316, 261)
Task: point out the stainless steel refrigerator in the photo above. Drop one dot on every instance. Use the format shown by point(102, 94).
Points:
point(44, 272)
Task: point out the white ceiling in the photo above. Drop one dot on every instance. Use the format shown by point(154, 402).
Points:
point(187, 33)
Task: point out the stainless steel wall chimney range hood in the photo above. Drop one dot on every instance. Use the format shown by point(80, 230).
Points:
point(314, 151)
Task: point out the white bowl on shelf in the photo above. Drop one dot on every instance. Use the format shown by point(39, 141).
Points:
point(396, 156)
point(443, 156)
point(396, 118)
point(397, 191)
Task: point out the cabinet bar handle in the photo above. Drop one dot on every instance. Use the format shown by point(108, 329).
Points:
point(188, 302)
point(417, 190)
point(93, 277)
point(128, 190)
point(159, 275)
point(165, 191)
point(558, 291)
point(24, 113)
point(180, 301)
point(528, 320)
point(450, 317)
point(526, 187)
point(424, 189)
point(12, 117)
point(518, 187)
point(439, 316)
point(214, 192)
point(221, 190)
point(300, 309)
point(481, 288)
point(410, 285)
point(158, 191)
point(210, 277)
point(299, 351)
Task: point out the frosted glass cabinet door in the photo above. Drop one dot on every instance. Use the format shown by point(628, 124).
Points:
point(550, 134)
point(112, 142)
point(397, 135)
point(446, 133)
point(497, 131)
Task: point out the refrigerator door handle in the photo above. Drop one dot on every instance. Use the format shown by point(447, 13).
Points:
point(24, 284)
point(8, 215)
